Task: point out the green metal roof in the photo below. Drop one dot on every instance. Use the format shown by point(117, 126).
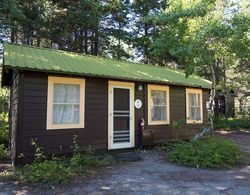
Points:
point(56, 61)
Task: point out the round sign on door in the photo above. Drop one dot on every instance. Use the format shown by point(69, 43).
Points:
point(138, 103)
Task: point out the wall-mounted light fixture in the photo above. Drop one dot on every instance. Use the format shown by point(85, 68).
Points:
point(139, 87)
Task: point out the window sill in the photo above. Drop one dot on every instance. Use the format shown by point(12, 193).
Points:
point(194, 122)
point(159, 123)
point(66, 127)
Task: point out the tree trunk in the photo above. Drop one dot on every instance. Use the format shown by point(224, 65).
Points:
point(38, 43)
point(146, 55)
point(13, 34)
point(81, 41)
point(86, 40)
point(211, 112)
point(96, 42)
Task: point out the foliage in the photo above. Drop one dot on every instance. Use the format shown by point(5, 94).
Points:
point(232, 123)
point(58, 170)
point(79, 161)
point(3, 151)
point(47, 171)
point(177, 124)
point(4, 131)
point(209, 152)
point(39, 155)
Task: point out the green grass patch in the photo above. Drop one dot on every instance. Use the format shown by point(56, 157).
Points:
point(208, 152)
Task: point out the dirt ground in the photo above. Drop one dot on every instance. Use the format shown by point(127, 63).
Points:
point(152, 175)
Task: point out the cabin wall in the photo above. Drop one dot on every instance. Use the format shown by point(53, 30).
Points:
point(13, 110)
point(163, 133)
point(34, 111)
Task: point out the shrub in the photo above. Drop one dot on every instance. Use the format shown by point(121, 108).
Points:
point(79, 161)
point(46, 172)
point(4, 132)
point(232, 123)
point(209, 152)
point(57, 170)
point(3, 151)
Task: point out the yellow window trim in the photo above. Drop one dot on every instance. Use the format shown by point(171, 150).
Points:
point(160, 88)
point(196, 91)
point(50, 92)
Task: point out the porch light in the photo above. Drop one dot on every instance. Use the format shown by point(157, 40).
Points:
point(139, 87)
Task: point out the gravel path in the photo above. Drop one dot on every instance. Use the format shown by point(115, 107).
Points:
point(151, 175)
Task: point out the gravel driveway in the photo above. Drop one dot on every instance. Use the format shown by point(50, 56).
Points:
point(151, 175)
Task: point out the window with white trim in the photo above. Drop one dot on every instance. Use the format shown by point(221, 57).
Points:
point(65, 104)
point(158, 104)
point(194, 106)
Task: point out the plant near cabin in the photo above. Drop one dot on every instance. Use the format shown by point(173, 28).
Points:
point(208, 152)
point(4, 129)
point(45, 172)
point(232, 123)
point(3, 151)
point(39, 155)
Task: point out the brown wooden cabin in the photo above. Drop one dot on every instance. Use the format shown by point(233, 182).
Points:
point(55, 95)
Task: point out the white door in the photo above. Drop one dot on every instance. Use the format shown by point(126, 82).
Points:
point(121, 115)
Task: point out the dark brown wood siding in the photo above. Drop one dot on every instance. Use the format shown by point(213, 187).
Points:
point(34, 110)
point(13, 113)
point(163, 133)
point(139, 113)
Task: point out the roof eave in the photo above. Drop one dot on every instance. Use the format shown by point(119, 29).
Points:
point(105, 76)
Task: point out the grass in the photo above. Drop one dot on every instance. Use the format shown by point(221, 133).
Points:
point(209, 152)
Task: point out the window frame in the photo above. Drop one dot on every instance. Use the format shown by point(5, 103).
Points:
point(159, 88)
point(195, 91)
point(50, 101)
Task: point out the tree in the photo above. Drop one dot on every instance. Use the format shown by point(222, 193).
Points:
point(145, 31)
point(201, 40)
point(116, 29)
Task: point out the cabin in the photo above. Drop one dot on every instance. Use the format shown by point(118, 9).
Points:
point(55, 95)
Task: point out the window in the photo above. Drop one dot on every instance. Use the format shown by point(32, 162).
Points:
point(194, 105)
point(158, 105)
point(65, 105)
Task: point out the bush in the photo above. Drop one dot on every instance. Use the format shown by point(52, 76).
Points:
point(4, 101)
point(232, 123)
point(209, 152)
point(4, 131)
point(79, 161)
point(58, 170)
point(46, 172)
point(3, 151)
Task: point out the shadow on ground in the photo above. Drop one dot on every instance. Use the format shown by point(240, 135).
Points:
point(152, 175)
